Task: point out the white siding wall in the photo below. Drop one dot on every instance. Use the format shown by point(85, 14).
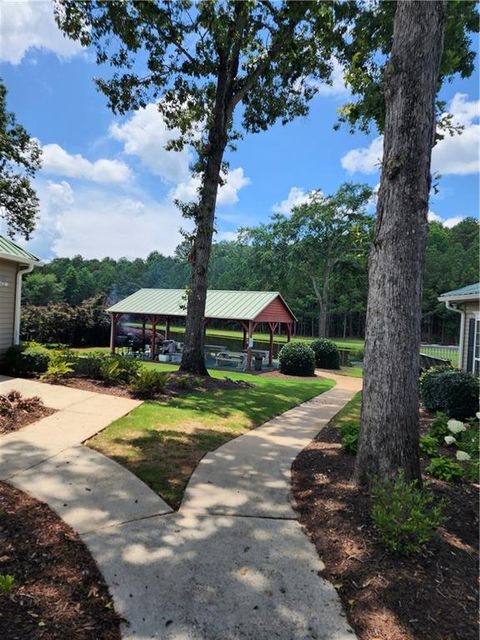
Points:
point(471, 309)
point(8, 272)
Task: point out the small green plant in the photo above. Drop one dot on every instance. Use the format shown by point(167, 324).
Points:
point(148, 383)
point(90, 366)
point(439, 427)
point(405, 515)
point(297, 359)
point(119, 370)
point(6, 583)
point(350, 432)
point(428, 446)
point(326, 353)
point(444, 469)
point(60, 366)
point(183, 382)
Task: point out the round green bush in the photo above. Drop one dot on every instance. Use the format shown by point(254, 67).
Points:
point(297, 359)
point(451, 391)
point(21, 360)
point(327, 355)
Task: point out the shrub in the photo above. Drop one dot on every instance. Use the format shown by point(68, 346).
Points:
point(326, 353)
point(439, 427)
point(22, 360)
point(90, 366)
point(297, 359)
point(450, 390)
point(428, 446)
point(405, 515)
point(350, 432)
point(444, 469)
point(119, 370)
point(148, 383)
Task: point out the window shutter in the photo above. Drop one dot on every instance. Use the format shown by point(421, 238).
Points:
point(471, 343)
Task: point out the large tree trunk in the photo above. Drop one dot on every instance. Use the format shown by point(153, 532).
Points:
point(193, 357)
point(389, 424)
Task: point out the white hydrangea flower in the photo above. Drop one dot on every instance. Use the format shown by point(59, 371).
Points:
point(455, 426)
point(478, 415)
point(463, 456)
point(450, 439)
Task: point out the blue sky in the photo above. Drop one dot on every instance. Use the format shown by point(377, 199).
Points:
point(107, 184)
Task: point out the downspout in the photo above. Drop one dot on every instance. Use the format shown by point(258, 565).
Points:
point(451, 307)
point(18, 302)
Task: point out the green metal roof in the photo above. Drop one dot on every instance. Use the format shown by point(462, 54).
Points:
point(225, 305)
point(12, 251)
point(470, 291)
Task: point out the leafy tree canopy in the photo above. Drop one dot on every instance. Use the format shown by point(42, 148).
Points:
point(19, 160)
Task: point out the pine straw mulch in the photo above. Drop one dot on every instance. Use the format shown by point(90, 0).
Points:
point(431, 596)
point(58, 591)
point(177, 384)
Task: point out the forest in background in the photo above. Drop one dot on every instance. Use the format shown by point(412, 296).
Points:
point(263, 263)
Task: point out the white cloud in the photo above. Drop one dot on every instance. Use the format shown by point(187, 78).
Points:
point(57, 161)
point(366, 159)
point(97, 221)
point(338, 87)
point(227, 194)
point(29, 24)
point(145, 135)
point(451, 222)
point(454, 155)
point(434, 217)
point(227, 236)
point(296, 197)
point(447, 222)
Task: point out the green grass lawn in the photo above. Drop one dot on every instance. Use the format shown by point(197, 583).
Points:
point(350, 412)
point(163, 441)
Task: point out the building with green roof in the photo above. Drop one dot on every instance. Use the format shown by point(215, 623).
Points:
point(247, 308)
point(14, 263)
point(466, 302)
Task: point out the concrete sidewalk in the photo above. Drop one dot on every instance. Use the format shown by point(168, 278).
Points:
point(47, 459)
point(231, 564)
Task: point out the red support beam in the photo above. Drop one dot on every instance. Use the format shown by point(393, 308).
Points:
point(272, 326)
point(289, 331)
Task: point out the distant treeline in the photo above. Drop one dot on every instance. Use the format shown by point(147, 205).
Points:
point(451, 262)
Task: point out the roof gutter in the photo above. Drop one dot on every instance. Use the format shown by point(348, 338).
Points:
point(453, 307)
point(18, 301)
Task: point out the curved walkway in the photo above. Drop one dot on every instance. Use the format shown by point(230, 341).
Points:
point(231, 564)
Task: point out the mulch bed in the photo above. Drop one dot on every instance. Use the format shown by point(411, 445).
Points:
point(178, 383)
point(431, 596)
point(58, 593)
point(23, 419)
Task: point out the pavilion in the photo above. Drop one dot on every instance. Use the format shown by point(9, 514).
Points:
point(248, 308)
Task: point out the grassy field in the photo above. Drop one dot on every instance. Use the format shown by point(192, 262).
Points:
point(350, 412)
point(163, 441)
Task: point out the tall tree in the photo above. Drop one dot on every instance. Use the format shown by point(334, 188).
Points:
point(318, 237)
point(200, 62)
point(19, 161)
point(389, 424)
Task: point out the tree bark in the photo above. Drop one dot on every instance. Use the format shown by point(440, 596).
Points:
point(390, 411)
point(193, 357)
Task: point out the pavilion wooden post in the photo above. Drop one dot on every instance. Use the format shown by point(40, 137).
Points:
point(289, 331)
point(251, 329)
point(244, 341)
point(114, 318)
point(167, 329)
point(143, 333)
point(272, 326)
point(154, 338)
